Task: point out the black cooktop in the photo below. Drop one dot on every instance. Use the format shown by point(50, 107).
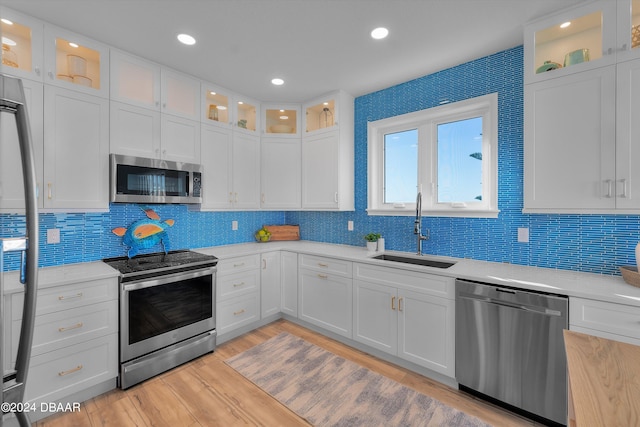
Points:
point(160, 263)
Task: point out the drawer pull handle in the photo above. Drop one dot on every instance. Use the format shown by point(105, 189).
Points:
point(321, 264)
point(238, 265)
point(235, 313)
point(68, 328)
point(235, 285)
point(400, 304)
point(393, 303)
point(70, 371)
point(62, 297)
point(323, 276)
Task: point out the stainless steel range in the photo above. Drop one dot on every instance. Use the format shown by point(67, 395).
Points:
point(167, 311)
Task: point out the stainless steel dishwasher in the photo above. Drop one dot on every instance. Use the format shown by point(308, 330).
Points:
point(509, 347)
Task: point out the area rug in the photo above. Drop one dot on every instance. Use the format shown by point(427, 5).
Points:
point(328, 390)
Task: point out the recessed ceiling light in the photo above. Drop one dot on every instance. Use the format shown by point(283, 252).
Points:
point(72, 44)
point(6, 21)
point(221, 107)
point(565, 24)
point(379, 33)
point(186, 39)
point(212, 93)
point(284, 117)
point(240, 102)
point(277, 81)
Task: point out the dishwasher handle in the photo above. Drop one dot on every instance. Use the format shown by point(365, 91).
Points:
point(531, 309)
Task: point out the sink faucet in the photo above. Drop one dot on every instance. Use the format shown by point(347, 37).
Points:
point(417, 224)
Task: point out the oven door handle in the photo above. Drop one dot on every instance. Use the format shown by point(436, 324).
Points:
point(169, 278)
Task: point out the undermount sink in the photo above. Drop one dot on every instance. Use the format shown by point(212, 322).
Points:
point(415, 260)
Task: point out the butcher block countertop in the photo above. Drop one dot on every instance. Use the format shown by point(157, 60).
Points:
point(604, 381)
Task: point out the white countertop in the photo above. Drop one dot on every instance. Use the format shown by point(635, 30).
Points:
point(563, 282)
point(61, 275)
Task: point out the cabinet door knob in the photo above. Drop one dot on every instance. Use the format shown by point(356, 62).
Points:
point(50, 74)
point(37, 70)
point(400, 304)
point(393, 303)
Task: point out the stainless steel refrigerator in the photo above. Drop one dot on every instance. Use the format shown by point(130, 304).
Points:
point(14, 379)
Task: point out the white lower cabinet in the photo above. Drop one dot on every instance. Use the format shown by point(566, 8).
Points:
point(289, 284)
point(270, 278)
point(604, 319)
point(75, 339)
point(399, 313)
point(325, 293)
point(237, 293)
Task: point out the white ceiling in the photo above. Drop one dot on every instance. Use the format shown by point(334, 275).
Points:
point(316, 46)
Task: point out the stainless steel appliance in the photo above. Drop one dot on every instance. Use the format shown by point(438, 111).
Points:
point(509, 347)
point(12, 101)
point(167, 311)
point(142, 180)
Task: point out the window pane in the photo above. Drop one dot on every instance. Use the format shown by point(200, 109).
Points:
point(400, 166)
point(460, 161)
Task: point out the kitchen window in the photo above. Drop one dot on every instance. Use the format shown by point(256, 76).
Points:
point(449, 153)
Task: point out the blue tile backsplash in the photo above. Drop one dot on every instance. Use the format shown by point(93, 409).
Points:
point(590, 243)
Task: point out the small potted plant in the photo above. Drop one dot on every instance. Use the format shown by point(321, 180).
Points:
point(372, 241)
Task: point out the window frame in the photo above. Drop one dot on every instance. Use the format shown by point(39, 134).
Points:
point(426, 121)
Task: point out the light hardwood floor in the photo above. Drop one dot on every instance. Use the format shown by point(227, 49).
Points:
point(206, 392)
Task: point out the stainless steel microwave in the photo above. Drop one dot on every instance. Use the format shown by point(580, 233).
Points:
point(142, 180)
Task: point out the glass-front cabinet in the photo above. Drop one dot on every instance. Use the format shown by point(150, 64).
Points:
point(281, 120)
point(629, 29)
point(22, 38)
point(216, 105)
point(320, 114)
point(575, 40)
point(247, 117)
point(76, 62)
point(597, 34)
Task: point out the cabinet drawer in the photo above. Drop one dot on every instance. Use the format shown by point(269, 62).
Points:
point(68, 296)
point(237, 284)
point(439, 286)
point(72, 369)
point(330, 265)
point(235, 265)
point(608, 317)
point(62, 329)
point(237, 312)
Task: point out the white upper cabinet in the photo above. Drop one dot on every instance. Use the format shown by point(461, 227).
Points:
point(328, 156)
point(134, 80)
point(11, 184)
point(76, 62)
point(597, 34)
point(216, 159)
point(76, 141)
point(246, 115)
point(580, 119)
point(569, 150)
point(280, 173)
point(216, 105)
point(627, 186)
point(154, 111)
point(281, 121)
point(628, 23)
point(322, 113)
point(22, 45)
point(180, 94)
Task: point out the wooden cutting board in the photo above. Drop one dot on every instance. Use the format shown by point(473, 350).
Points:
point(284, 232)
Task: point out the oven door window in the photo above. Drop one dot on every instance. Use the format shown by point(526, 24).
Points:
point(159, 309)
point(144, 181)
